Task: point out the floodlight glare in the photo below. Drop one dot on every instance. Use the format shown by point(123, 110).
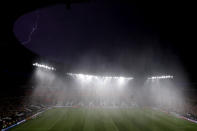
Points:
point(121, 80)
point(43, 66)
point(84, 78)
point(161, 77)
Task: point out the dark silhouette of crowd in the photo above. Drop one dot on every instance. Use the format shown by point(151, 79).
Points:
point(15, 109)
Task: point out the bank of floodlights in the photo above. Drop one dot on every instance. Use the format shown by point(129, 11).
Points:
point(160, 77)
point(43, 66)
point(90, 77)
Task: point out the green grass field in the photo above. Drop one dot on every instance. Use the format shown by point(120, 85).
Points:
point(82, 119)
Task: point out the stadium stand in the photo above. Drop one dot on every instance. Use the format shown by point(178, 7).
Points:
point(13, 111)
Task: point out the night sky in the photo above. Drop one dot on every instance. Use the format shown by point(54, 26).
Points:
point(109, 37)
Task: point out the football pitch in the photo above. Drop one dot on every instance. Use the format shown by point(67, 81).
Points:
point(103, 119)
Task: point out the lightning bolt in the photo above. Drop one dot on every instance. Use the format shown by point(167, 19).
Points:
point(34, 28)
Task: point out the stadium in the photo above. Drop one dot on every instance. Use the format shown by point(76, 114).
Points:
point(95, 65)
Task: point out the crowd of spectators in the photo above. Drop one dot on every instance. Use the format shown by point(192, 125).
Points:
point(191, 112)
point(187, 110)
point(14, 110)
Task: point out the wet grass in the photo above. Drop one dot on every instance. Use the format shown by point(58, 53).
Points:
point(84, 119)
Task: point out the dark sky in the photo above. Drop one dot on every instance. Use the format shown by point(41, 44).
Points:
point(128, 38)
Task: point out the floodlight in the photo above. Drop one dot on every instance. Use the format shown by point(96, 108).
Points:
point(43, 66)
point(85, 78)
point(161, 77)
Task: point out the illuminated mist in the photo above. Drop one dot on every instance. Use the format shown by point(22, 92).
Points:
point(80, 89)
point(86, 90)
point(116, 45)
